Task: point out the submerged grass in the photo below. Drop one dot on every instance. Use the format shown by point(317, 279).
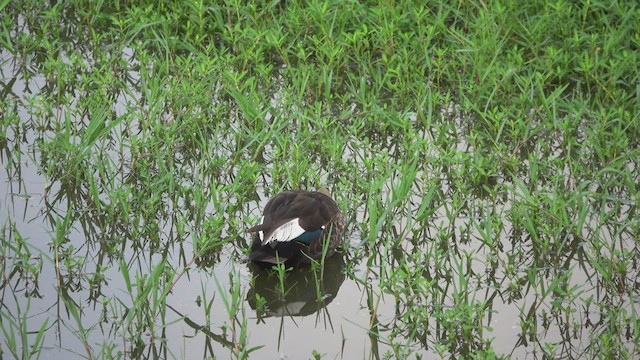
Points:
point(486, 156)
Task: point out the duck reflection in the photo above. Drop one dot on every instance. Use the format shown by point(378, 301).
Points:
point(303, 291)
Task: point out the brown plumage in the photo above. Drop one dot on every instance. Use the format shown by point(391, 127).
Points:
point(295, 227)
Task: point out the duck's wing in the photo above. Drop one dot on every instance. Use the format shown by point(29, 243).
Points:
point(287, 231)
point(292, 215)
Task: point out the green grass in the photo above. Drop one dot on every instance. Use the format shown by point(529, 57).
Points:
point(486, 157)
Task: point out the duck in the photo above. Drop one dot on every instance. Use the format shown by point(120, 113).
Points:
point(295, 227)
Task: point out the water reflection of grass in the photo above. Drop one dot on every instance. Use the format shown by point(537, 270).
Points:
point(486, 157)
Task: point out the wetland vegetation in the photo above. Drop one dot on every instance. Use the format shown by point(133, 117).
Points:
point(485, 154)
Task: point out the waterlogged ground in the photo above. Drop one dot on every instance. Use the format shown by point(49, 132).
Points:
point(486, 158)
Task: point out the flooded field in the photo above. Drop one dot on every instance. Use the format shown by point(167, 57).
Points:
point(486, 160)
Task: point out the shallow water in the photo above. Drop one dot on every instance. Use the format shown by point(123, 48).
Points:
point(75, 264)
point(338, 330)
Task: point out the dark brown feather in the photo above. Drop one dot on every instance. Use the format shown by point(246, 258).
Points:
point(315, 210)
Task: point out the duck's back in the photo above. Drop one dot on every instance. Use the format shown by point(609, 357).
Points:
point(295, 226)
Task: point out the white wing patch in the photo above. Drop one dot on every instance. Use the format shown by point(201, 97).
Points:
point(286, 232)
point(261, 233)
